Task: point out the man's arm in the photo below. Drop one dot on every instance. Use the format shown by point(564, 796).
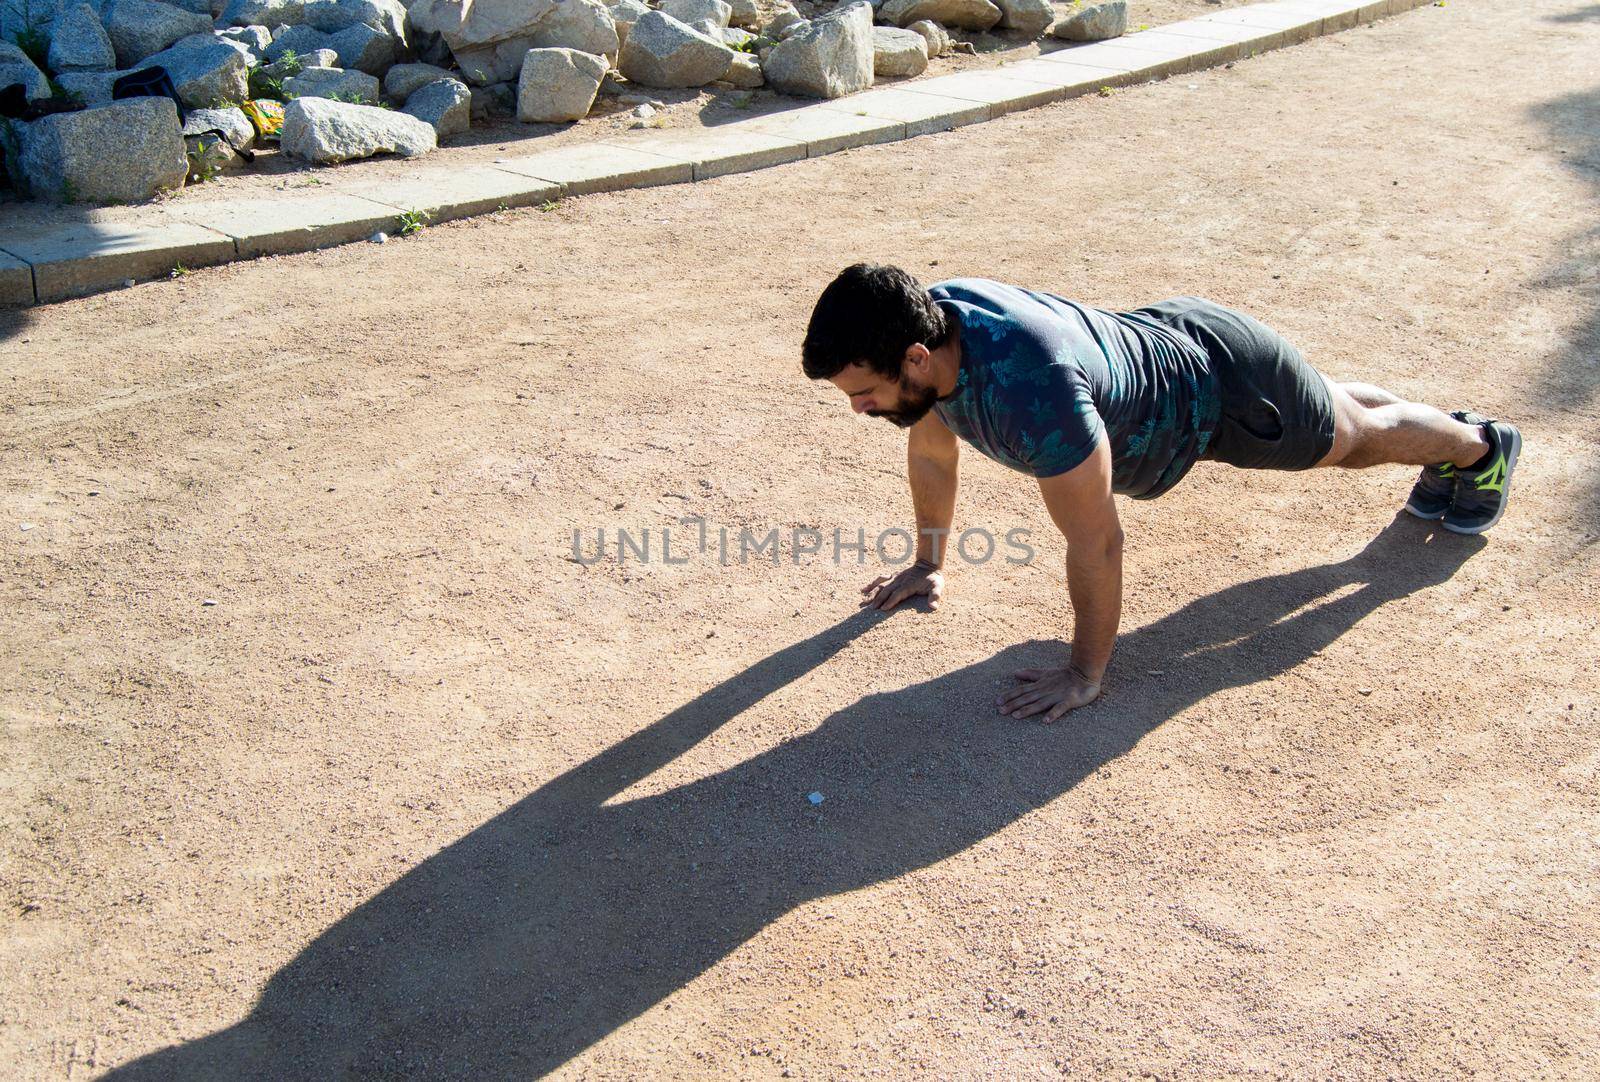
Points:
point(933, 455)
point(1081, 504)
point(932, 459)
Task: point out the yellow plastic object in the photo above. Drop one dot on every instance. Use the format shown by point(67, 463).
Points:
point(266, 115)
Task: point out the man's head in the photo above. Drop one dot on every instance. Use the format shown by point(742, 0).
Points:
point(872, 335)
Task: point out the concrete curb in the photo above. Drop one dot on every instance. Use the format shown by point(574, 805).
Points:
point(49, 264)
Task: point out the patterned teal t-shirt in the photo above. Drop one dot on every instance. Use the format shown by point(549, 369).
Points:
point(1042, 377)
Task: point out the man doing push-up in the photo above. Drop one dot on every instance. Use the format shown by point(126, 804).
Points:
point(1093, 403)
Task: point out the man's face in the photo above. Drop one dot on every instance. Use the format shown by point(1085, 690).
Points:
point(901, 402)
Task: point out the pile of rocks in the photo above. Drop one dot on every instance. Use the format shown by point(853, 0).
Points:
point(362, 77)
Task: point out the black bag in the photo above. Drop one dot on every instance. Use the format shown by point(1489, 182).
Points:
point(148, 83)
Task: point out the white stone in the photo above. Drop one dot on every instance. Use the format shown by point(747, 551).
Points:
point(937, 37)
point(195, 41)
point(332, 16)
point(484, 65)
point(323, 131)
point(213, 138)
point(361, 48)
point(745, 14)
point(1030, 18)
point(898, 52)
point(663, 52)
point(254, 38)
point(300, 40)
point(333, 82)
point(78, 41)
point(965, 14)
point(558, 85)
point(585, 25)
point(446, 104)
point(209, 153)
point(230, 120)
point(287, 68)
point(830, 58)
point(122, 152)
point(691, 12)
point(400, 80)
point(261, 13)
point(624, 13)
point(141, 28)
point(745, 72)
point(468, 23)
point(782, 18)
point(1098, 23)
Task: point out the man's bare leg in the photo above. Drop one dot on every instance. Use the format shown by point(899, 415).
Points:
point(1373, 427)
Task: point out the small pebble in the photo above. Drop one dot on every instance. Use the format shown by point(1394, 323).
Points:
point(24, 526)
point(1365, 691)
point(379, 238)
point(208, 602)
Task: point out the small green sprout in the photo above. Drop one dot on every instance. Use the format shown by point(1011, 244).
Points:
point(410, 222)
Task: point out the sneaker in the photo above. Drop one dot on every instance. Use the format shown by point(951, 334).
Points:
point(1481, 494)
point(1435, 490)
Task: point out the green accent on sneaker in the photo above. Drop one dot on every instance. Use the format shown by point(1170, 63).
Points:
point(1481, 495)
point(1493, 479)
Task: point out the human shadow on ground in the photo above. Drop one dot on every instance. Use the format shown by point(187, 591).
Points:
point(571, 913)
point(14, 322)
point(1578, 15)
point(1571, 379)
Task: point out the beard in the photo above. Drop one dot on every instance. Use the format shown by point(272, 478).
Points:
point(914, 406)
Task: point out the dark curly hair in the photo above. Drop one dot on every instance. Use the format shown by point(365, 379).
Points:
point(871, 315)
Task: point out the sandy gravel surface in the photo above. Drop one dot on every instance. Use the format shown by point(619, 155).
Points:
point(419, 796)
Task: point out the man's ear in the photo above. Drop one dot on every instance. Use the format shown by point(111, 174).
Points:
point(916, 360)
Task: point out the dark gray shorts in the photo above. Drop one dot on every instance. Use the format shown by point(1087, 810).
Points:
point(1277, 412)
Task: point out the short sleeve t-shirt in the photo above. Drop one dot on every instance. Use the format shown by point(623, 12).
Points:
point(1042, 378)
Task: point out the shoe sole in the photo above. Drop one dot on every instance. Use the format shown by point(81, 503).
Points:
point(1505, 494)
point(1430, 516)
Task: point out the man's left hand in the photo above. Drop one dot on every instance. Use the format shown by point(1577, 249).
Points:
point(1051, 692)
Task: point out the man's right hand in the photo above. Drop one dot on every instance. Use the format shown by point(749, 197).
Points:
point(918, 580)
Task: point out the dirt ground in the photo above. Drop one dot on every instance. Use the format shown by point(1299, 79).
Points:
point(321, 757)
